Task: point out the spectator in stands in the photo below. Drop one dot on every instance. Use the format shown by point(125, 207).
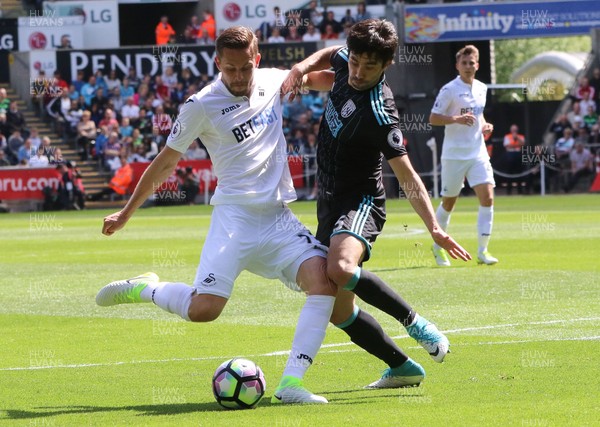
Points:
point(188, 184)
point(329, 34)
point(73, 116)
point(15, 142)
point(513, 146)
point(112, 81)
point(133, 78)
point(204, 39)
point(139, 155)
point(118, 184)
point(348, 19)
point(72, 92)
point(4, 101)
point(178, 94)
point(152, 148)
point(65, 42)
point(34, 136)
point(311, 15)
point(136, 138)
point(586, 103)
point(16, 120)
point(116, 101)
point(595, 83)
point(101, 141)
point(125, 130)
point(79, 81)
point(312, 34)
point(195, 24)
point(112, 149)
point(86, 133)
point(4, 130)
point(70, 191)
point(330, 20)
point(361, 12)
point(594, 137)
point(109, 121)
point(563, 145)
point(582, 164)
point(25, 151)
point(169, 78)
point(100, 101)
point(39, 160)
point(60, 84)
point(260, 35)
point(47, 146)
point(163, 30)
point(293, 34)
point(131, 111)
point(209, 24)
point(88, 91)
point(276, 36)
point(187, 37)
point(141, 95)
point(161, 124)
point(127, 91)
point(575, 116)
point(584, 88)
point(558, 127)
point(56, 157)
point(3, 160)
point(591, 118)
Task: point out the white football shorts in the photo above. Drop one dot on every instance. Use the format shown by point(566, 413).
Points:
point(477, 171)
point(270, 242)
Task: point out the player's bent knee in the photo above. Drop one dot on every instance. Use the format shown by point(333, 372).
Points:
point(312, 278)
point(206, 308)
point(340, 272)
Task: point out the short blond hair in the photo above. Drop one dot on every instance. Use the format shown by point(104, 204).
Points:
point(468, 50)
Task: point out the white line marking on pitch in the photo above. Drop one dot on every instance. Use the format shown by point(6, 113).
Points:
point(285, 352)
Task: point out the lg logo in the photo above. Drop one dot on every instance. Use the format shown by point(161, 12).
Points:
point(7, 42)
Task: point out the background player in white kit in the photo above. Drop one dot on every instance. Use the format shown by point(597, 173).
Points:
point(238, 118)
point(459, 107)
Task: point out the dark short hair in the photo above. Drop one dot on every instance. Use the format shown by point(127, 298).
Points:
point(237, 38)
point(468, 50)
point(376, 37)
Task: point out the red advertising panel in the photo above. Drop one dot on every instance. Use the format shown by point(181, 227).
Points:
point(26, 183)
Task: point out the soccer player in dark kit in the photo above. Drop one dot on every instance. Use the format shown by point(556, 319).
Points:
point(360, 124)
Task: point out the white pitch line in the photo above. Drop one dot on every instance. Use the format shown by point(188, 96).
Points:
point(285, 352)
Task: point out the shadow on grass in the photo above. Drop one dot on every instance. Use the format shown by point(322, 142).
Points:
point(143, 410)
point(336, 397)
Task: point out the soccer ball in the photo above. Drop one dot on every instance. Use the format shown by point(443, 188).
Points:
point(238, 384)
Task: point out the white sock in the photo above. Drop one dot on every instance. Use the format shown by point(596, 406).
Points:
point(485, 221)
point(443, 219)
point(309, 335)
point(170, 296)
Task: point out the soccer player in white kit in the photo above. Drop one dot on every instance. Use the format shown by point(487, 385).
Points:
point(459, 107)
point(238, 118)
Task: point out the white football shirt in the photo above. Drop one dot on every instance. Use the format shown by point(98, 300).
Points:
point(244, 138)
point(456, 98)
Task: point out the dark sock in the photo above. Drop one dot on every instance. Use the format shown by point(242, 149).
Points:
point(374, 291)
point(366, 333)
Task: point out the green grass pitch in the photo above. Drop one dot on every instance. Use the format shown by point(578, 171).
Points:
point(525, 334)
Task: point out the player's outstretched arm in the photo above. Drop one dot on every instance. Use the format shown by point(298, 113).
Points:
point(318, 61)
point(321, 81)
point(416, 193)
point(158, 171)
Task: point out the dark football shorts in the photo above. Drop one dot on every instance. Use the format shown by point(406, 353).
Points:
point(362, 219)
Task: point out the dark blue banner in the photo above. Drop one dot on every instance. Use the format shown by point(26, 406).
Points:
point(476, 21)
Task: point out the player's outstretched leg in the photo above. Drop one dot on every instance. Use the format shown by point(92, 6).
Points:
point(368, 334)
point(126, 291)
point(429, 337)
point(173, 297)
point(374, 291)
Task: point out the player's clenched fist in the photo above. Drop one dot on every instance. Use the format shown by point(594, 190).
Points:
point(113, 223)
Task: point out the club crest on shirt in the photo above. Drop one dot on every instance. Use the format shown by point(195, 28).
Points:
point(348, 108)
point(395, 138)
point(176, 128)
